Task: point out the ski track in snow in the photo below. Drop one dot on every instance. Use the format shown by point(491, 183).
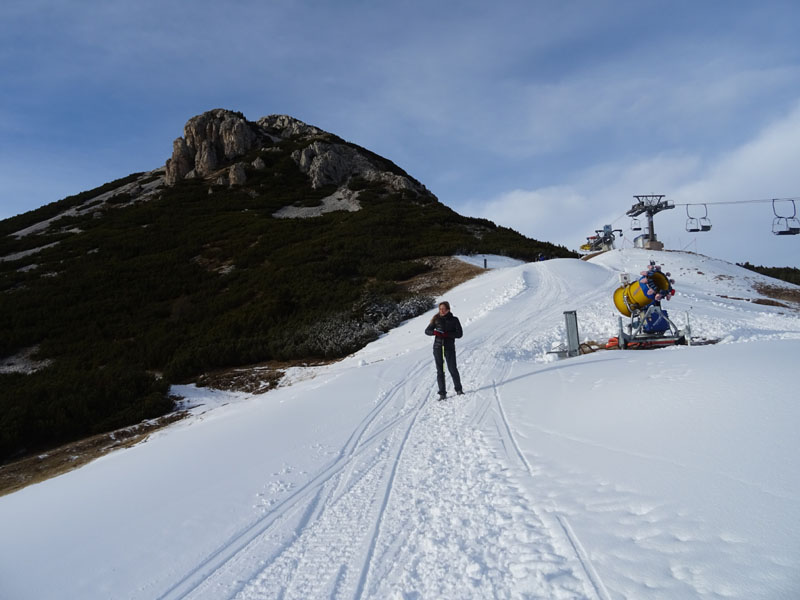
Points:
point(427, 499)
point(419, 503)
point(328, 505)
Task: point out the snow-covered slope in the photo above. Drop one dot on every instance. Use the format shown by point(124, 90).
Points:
point(667, 473)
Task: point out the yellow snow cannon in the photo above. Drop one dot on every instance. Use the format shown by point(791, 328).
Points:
point(650, 325)
point(652, 286)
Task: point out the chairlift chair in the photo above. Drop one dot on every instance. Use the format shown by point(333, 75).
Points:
point(705, 222)
point(785, 225)
point(695, 224)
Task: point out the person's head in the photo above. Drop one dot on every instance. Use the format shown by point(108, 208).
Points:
point(444, 307)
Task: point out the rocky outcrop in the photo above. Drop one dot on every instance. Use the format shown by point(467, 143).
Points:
point(181, 162)
point(214, 140)
point(236, 174)
point(209, 140)
point(327, 164)
point(286, 127)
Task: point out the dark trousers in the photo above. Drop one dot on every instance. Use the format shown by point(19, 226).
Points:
point(440, 354)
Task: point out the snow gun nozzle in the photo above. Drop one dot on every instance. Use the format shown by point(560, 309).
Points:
point(652, 286)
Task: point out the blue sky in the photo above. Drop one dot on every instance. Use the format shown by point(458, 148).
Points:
point(543, 116)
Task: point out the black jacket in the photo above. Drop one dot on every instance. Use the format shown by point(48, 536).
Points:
point(450, 328)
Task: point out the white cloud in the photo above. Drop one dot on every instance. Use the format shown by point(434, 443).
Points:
point(762, 168)
point(765, 167)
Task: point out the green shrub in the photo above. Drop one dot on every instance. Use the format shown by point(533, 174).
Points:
point(400, 271)
point(68, 401)
point(788, 274)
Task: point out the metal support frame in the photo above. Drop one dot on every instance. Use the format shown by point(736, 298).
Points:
point(602, 240)
point(650, 204)
point(635, 336)
point(573, 339)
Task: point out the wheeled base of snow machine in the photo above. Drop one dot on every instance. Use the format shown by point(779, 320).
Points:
point(650, 328)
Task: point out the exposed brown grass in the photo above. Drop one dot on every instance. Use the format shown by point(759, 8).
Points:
point(768, 302)
point(252, 380)
point(775, 296)
point(445, 274)
point(775, 292)
point(593, 254)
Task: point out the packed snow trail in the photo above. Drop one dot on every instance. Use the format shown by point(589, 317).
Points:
point(433, 513)
point(311, 508)
point(417, 502)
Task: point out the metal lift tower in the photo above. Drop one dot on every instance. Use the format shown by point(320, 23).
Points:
point(649, 204)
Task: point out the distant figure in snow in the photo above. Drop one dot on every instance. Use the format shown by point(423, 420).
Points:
point(446, 328)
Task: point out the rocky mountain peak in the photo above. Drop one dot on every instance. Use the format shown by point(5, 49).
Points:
point(216, 139)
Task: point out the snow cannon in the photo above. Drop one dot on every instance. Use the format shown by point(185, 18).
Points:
point(652, 286)
point(650, 325)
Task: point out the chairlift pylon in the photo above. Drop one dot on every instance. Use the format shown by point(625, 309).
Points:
point(785, 225)
point(698, 224)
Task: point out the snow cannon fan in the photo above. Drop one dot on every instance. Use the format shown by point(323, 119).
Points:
point(652, 286)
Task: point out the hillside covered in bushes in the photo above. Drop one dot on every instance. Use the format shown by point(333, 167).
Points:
point(111, 295)
point(789, 274)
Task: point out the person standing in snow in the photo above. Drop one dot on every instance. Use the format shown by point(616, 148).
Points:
point(446, 328)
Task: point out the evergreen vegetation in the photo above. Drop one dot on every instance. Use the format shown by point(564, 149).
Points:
point(788, 274)
point(158, 292)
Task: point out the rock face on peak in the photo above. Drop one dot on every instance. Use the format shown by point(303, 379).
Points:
point(209, 141)
point(216, 139)
point(288, 126)
point(327, 163)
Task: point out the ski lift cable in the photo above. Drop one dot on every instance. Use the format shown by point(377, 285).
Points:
point(738, 201)
point(623, 215)
point(687, 204)
point(694, 241)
